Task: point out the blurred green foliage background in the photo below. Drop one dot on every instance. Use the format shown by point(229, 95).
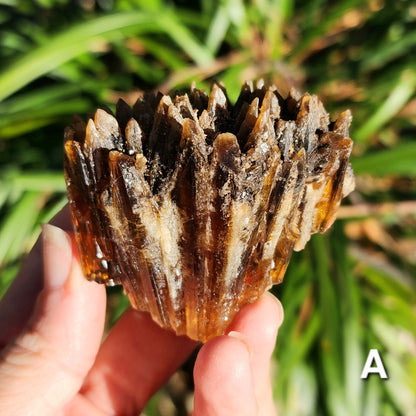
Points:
point(350, 290)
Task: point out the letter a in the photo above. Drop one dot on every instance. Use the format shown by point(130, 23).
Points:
point(373, 355)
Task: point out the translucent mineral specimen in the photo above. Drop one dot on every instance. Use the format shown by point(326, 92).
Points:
point(195, 205)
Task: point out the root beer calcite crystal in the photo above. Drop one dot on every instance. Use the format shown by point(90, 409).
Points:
point(195, 205)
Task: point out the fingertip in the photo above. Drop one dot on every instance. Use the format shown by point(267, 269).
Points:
point(54, 235)
point(242, 338)
point(259, 323)
point(61, 264)
point(57, 256)
point(223, 378)
point(275, 307)
point(260, 320)
point(225, 354)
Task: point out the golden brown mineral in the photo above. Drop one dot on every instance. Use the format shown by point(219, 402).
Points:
point(195, 205)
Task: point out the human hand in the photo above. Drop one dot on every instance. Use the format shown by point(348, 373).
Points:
point(53, 362)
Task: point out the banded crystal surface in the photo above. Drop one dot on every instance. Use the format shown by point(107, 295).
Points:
point(195, 205)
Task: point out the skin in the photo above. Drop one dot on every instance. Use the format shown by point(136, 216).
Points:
point(53, 360)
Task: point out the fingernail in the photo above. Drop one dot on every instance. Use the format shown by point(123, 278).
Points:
point(243, 339)
point(280, 311)
point(57, 255)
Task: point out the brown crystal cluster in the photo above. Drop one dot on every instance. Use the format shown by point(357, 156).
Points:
point(195, 205)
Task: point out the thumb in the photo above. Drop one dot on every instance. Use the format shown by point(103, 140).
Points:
point(44, 367)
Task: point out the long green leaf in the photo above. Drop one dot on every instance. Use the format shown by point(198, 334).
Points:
point(40, 181)
point(331, 332)
point(18, 226)
point(400, 95)
point(399, 160)
point(17, 124)
point(80, 38)
point(389, 51)
point(39, 97)
point(218, 28)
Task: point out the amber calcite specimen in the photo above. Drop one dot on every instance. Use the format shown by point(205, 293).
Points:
point(195, 205)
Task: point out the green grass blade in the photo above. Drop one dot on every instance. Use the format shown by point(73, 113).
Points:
point(40, 181)
point(6, 277)
point(18, 225)
point(228, 13)
point(17, 124)
point(371, 403)
point(64, 46)
point(293, 356)
point(42, 97)
point(301, 392)
point(277, 12)
point(399, 160)
point(400, 95)
point(331, 335)
point(389, 51)
point(163, 53)
point(351, 311)
point(4, 193)
point(47, 214)
point(184, 38)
